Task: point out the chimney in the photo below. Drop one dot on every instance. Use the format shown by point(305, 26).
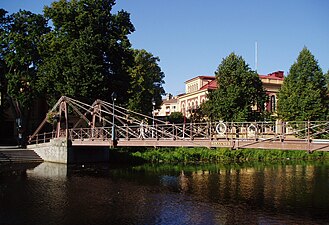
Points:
point(279, 74)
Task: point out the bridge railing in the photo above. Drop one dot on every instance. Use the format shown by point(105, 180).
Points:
point(178, 131)
point(307, 129)
point(42, 138)
point(199, 130)
point(98, 133)
point(215, 130)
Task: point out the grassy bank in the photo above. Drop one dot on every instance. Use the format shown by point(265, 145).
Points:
point(223, 155)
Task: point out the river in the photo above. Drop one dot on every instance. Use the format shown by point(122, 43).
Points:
point(259, 193)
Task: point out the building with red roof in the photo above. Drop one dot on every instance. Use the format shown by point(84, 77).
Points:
point(197, 89)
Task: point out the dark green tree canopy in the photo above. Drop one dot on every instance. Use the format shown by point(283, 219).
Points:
point(3, 46)
point(304, 93)
point(239, 90)
point(21, 33)
point(88, 54)
point(176, 117)
point(146, 82)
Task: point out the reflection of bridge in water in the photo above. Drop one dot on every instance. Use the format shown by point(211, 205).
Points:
point(103, 124)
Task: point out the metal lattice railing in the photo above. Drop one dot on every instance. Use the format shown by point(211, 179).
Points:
point(217, 130)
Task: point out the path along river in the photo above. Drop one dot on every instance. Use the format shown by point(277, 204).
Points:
point(259, 193)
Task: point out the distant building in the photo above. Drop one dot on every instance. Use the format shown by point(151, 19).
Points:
point(168, 106)
point(196, 93)
point(272, 84)
point(197, 88)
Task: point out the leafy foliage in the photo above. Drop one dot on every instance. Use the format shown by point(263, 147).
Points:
point(20, 34)
point(304, 93)
point(88, 53)
point(146, 79)
point(176, 117)
point(3, 67)
point(223, 155)
point(3, 44)
point(240, 89)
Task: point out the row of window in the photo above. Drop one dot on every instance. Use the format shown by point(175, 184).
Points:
point(192, 88)
point(190, 105)
point(194, 105)
point(273, 103)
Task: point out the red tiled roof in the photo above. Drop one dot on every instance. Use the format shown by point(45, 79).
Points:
point(210, 86)
point(202, 77)
point(270, 77)
point(278, 75)
point(273, 76)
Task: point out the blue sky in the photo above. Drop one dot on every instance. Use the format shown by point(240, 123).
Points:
point(192, 37)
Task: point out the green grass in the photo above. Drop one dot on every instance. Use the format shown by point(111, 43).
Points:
point(222, 155)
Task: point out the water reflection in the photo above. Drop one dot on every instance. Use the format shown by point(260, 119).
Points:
point(49, 170)
point(287, 193)
point(296, 192)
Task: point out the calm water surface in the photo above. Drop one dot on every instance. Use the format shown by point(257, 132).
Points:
point(277, 193)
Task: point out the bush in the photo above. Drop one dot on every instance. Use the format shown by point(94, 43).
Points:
point(223, 155)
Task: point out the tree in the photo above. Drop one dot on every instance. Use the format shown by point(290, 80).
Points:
point(21, 33)
point(304, 93)
point(239, 90)
point(146, 82)
point(327, 79)
point(20, 39)
point(88, 54)
point(176, 117)
point(3, 35)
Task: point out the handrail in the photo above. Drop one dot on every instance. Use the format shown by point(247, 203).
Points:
point(42, 138)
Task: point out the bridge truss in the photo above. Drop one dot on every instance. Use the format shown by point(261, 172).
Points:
point(105, 124)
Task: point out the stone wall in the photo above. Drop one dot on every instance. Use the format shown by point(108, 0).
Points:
point(54, 151)
point(60, 150)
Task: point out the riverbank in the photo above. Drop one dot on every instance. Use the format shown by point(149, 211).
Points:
point(185, 155)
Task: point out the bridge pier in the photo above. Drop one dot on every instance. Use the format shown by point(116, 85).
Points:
point(54, 151)
point(60, 150)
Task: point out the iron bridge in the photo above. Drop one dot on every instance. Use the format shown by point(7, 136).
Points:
point(106, 124)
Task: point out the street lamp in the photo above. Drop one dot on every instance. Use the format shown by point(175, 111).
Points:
point(153, 105)
point(114, 98)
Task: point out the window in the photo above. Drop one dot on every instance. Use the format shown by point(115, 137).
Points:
point(273, 103)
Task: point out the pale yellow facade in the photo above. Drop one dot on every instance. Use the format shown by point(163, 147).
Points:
point(168, 106)
point(196, 93)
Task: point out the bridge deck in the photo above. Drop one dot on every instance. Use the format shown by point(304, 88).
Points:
point(294, 144)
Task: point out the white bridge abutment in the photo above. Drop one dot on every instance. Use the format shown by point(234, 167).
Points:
point(60, 150)
point(54, 151)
